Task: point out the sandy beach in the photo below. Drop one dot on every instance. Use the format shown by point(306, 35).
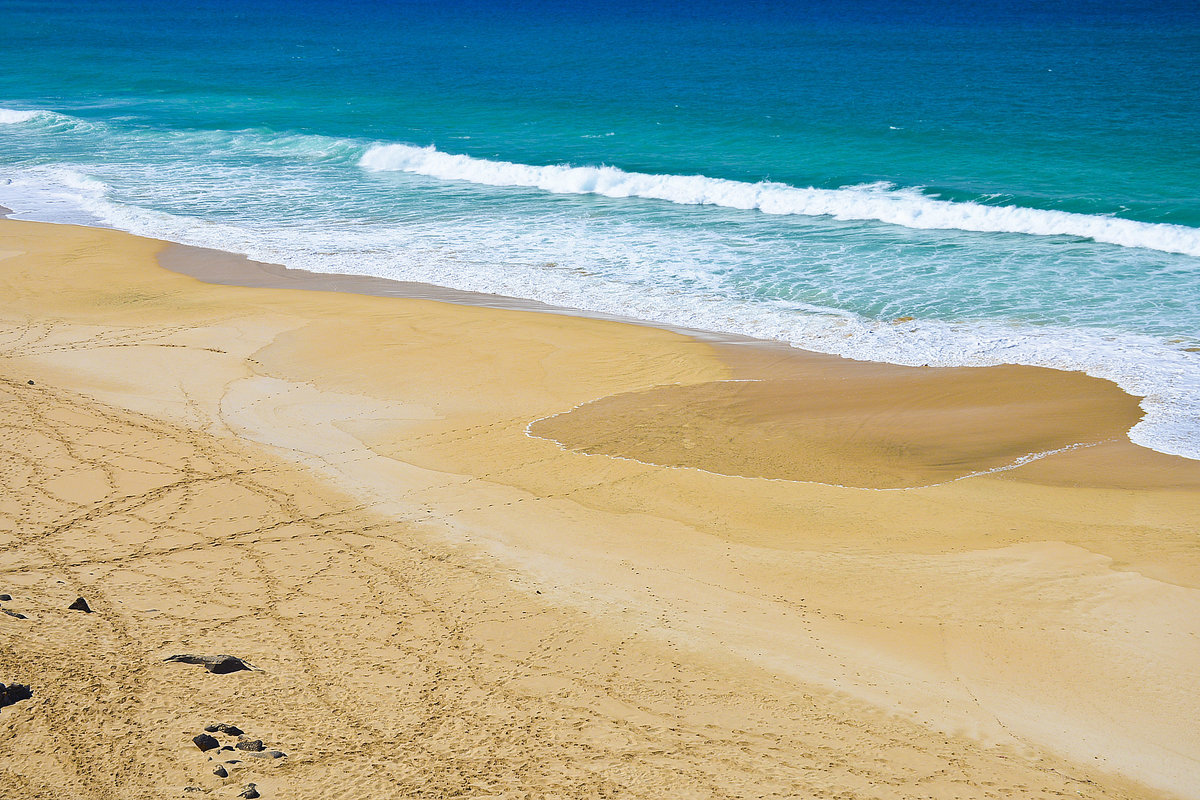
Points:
point(477, 549)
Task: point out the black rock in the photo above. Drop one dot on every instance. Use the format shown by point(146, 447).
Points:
point(31, 383)
point(227, 747)
point(221, 665)
point(4, 598)
point(253, 745)
point(206, 742)
point(221, 772)
point(13, 614)
point(268, 754)
point(13, 693)
point(211, 729)
point(80, 605)
point(249, 792)
point(232, 730)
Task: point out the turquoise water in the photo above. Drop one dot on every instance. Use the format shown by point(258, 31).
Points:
point(1022, 180)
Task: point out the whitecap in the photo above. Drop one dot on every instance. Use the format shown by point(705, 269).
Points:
point(875, 202)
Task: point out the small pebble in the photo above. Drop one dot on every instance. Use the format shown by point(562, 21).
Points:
point(221, 772)
point(4, 598)
point(13, 614)
point(31, 383)
point(249, 792)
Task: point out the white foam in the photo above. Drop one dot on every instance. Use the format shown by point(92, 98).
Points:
point(47, 121)
point(880, 202)
point(12, 116)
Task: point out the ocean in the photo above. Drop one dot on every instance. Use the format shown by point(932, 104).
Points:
point(942, 183)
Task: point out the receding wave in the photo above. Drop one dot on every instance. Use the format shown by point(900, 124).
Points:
point(880, 202)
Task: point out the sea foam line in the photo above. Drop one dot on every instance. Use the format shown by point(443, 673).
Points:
point(879, 202)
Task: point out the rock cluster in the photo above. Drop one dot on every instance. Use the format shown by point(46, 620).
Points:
point(244, 746)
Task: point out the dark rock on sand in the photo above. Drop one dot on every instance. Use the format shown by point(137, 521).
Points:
point(13, 614)
point(4, 598)
point(253, 745)
point(221, 772)
point(14, 693)
point(205, 742)
point(249, 792)
point(80, 605)
point(221, 727)
point(268, 754)
point(221, 665)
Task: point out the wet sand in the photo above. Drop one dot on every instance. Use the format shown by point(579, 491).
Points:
point(489, 551)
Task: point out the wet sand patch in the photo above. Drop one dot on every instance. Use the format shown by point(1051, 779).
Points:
point(865, 426)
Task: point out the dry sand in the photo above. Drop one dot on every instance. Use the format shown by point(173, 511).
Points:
point(500, 553)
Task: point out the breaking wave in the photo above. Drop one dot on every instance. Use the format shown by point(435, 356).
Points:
point(879, 202)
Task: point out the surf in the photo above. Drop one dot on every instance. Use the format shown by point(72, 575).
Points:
point(879, 202)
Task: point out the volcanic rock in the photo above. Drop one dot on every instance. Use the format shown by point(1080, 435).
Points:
point(221, 665)
point(13, 693)
point(205, 742)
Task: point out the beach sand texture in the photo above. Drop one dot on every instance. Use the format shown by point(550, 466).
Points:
point(475, 552)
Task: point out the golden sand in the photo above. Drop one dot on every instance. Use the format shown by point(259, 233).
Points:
point(503, 553)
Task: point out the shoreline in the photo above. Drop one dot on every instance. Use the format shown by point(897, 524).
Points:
point(1016, 613)
point(749, 359)
point(1163, 380)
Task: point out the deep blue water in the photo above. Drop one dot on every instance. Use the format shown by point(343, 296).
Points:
point(1020, 178)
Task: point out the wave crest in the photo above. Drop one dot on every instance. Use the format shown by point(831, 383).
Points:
point(878, 202)
point(14, 116)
